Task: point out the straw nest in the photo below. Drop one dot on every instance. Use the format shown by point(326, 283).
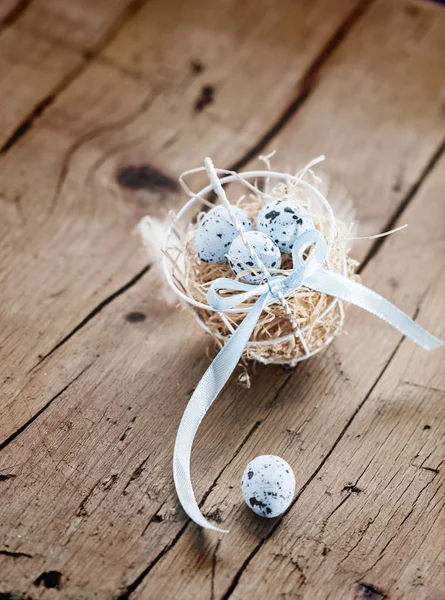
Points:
point(319, 317)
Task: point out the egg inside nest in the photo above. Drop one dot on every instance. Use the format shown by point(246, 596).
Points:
point(309, 308)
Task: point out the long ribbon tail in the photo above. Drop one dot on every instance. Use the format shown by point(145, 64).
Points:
point(337, 285)
point(212, 382)
point(223, 365)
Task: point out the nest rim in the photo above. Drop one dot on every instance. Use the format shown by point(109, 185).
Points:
point(199, 197)
point(182, 220)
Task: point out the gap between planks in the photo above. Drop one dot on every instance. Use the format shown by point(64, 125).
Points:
point(303, 94)
point(126, 594)
point(14, 14)
point(305, 89)
point(403, 205)
point(372, 252)
point(305, 86)
point(89, 57)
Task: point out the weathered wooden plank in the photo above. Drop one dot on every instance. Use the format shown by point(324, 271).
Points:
point(105, 480)
point(52, 230)
point(368, 113)
point(9, 11)
point(75, 200)
point(371, 518)
point(31, 69)
point(309, 413)
point(100, 479)
point(82, 24)
point(97, 479)
point(42, 48)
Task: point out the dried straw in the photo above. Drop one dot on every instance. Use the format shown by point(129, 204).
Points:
point(320, 315)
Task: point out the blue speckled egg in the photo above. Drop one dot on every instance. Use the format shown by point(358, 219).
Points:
point(268, 485)
point(283, 222)
point(240, 259)
point(216, 232)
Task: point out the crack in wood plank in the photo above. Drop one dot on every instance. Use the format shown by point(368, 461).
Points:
point(14, 14)
point(403, 205)
point(362, 534)
point(92, 315)
point(405, 519)
point(25, 425)
point(89, 57)
point(156, 517)
point(307, 83)
point(96, 310)
point(253, 553)
point(370, 591)
point(15, 554)
point(130, 588)
point(135, 475)
point(35, 114)
point(214, 561)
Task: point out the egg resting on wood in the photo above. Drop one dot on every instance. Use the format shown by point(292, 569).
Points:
point(268, 485)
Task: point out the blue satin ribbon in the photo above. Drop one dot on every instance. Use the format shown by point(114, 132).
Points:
point(308, 272)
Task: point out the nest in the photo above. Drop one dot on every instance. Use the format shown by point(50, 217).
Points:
point(319, 317)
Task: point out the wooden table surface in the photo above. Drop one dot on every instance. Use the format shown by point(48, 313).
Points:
point(103, 104)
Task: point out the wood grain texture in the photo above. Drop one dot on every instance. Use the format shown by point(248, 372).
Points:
point(370, 519)
point(129, 513)
point(43, 46)
point(79, 187)
point(10, 10)
point(311, 413)
point(88, 504)
point(31, 69)
point(377, 110)
point(82, 24)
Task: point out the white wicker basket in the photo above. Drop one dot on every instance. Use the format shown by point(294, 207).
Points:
point(175, 255)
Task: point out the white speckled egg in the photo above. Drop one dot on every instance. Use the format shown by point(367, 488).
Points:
point(240, 259)
point(283, 222)
point(268, 485)
point(216, 232)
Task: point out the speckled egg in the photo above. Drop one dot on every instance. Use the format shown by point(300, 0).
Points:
point(241, 260)
point(268, 485)
point(283, 222)
point(216, 232)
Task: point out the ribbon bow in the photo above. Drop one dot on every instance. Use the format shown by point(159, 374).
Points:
point(308, 272)
point(269, 292)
